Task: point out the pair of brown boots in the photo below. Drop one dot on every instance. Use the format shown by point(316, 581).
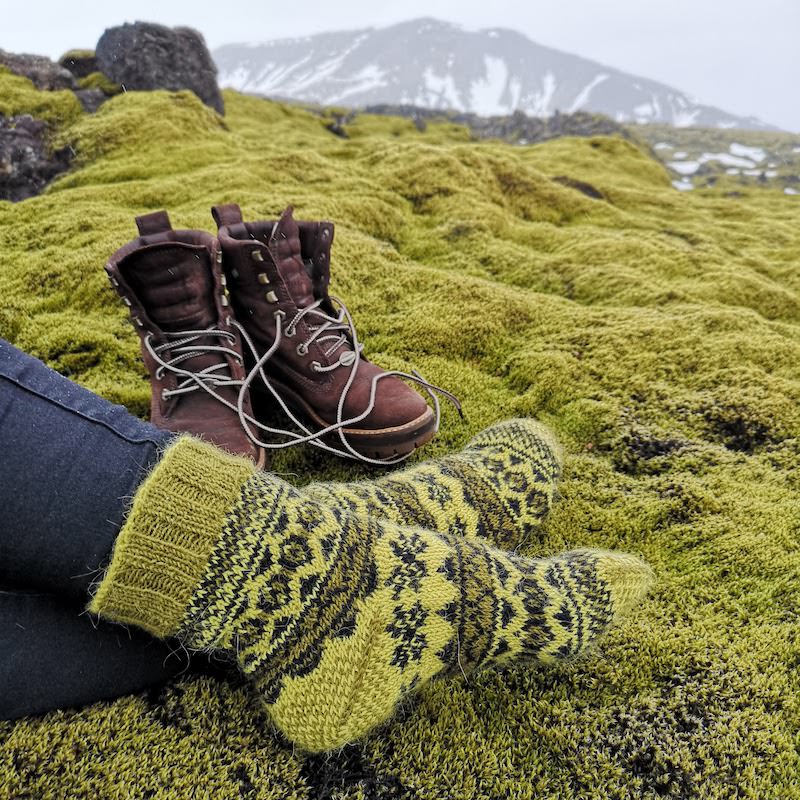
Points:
point(236, 326)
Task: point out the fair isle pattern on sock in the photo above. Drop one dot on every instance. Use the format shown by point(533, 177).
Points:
point(336, 617)
point(500, 487)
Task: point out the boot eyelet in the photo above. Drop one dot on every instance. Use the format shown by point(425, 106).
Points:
point(224, 300)
point(278, 313)
point(256, 255)
point(289, 332)
point(263, 279)
point(316, 366)
point(271, 297)
point(235, 274)
point(164, 395)
point(302, 349)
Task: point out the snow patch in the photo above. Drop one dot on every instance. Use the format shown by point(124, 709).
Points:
point(683, 185)
point(684, 167)
point(541, 100)
point(514, 93)
point(369, 77)
point(789, 190)
point(485, 94)
point(439, 92)
point(236, 79)
point(726, 159)
point(755, 154)
point(680, 155)
point(684, 119)
point(584, 94)
point(663, 146)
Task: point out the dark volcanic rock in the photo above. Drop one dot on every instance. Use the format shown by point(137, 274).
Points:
point(144, 56)
point(79, 62)
point(45, 74)
point(517, 128)
point(91, 99)
point(27, 164)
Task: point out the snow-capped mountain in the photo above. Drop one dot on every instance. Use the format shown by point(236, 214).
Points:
point(435, 64)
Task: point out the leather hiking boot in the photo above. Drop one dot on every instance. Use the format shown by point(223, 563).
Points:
point(303, 351)
point(173, 285)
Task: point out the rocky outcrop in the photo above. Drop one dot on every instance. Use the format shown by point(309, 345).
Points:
point(145, 56)
point(45, 74)
point(91, 99)
point(81, 63)
point(27, 163)
point(516, 128)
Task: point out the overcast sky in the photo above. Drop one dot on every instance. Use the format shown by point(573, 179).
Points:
point(739, 55)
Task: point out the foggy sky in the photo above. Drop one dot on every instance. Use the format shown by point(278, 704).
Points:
point(739, 55)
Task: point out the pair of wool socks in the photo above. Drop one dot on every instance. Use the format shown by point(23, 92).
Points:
point(339, 601)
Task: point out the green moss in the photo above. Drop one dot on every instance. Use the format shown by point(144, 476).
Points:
point(96, 80)
point(76, 53)
point(655, 331)
point(19, 96)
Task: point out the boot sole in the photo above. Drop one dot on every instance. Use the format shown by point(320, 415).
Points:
point(400, 440)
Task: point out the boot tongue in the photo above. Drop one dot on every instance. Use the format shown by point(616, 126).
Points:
point(285, 246)
point(175, 285)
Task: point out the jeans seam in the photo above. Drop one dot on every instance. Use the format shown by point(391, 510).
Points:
point(157, 442)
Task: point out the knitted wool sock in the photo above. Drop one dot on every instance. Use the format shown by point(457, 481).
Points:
point(337, 618)
point(501, 486)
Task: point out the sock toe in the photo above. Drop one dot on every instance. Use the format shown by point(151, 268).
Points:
point(627, 578)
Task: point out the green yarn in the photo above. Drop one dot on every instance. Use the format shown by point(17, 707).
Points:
point(337, 617)
point(500, 487)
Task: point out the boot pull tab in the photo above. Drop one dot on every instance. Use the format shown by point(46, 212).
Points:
point(228, 214)
point(157, 222)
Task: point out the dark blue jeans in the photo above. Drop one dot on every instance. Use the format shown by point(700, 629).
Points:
point(69, 464)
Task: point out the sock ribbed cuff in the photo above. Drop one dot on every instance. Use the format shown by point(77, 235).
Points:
point(163, 549)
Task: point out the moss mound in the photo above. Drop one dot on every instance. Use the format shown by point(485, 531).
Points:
point(96, 80)
point(18, 95)
point(656, 332)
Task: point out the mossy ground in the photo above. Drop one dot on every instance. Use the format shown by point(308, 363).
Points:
point(656, 332)
point(780, 166)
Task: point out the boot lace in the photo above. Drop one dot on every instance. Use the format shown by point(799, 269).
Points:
point(336, 332)
point(184, 345)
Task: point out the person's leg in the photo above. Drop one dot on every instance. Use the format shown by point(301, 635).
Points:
point(334, 616)
point(69, 464)
point(50, 657)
